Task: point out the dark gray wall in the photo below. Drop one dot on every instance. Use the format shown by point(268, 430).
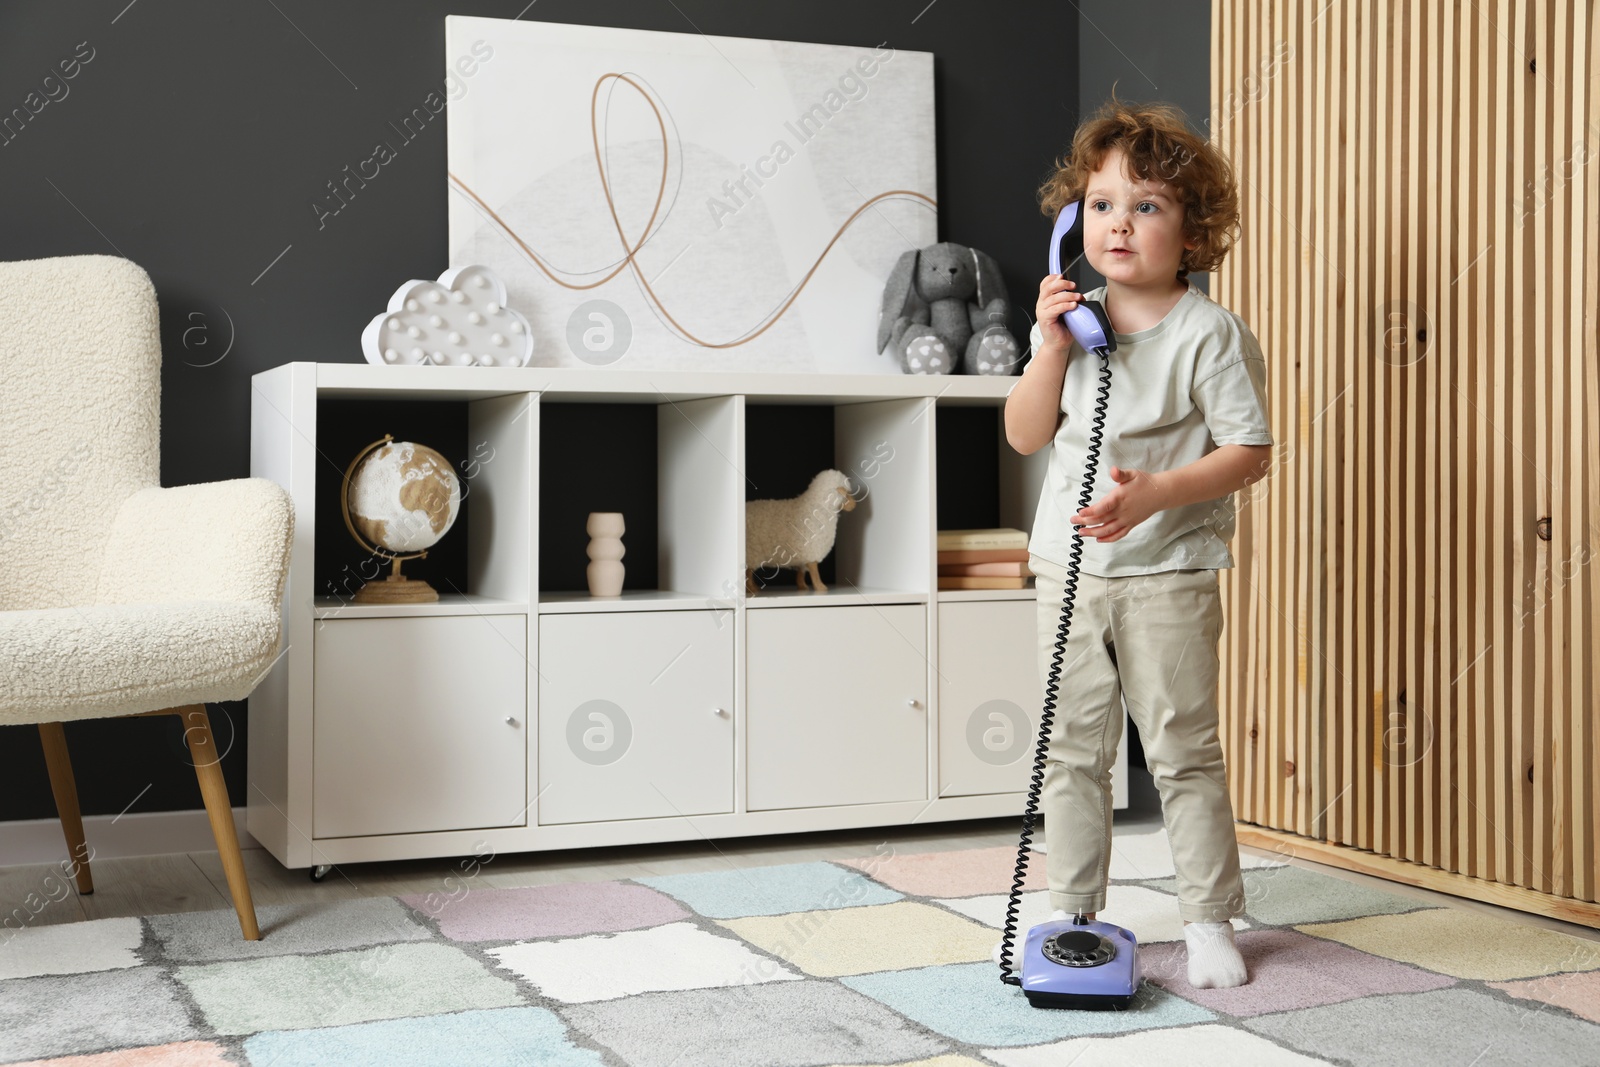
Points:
point(198, 134)
point(1145, 50)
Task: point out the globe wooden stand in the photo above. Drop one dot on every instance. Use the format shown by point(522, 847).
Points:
point(397, 588)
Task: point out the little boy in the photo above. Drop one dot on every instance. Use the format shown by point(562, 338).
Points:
point(1185, 427)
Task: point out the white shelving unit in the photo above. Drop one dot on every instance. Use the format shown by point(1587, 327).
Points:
point(521, 718)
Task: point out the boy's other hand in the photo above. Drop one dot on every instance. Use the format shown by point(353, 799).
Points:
point(1137, 496)
point(1057, 296)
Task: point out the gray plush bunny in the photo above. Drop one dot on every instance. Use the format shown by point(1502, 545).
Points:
point(944, 303)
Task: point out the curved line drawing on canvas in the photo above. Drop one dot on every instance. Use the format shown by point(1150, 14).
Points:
point(630, 249)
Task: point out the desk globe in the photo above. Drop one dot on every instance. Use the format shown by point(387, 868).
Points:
point(399, 498)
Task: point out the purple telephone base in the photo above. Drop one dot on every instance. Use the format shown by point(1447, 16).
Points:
point(1070, 963)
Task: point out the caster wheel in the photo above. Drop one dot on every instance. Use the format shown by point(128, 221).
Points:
point(320, 871)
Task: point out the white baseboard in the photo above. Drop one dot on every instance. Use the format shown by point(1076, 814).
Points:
point(152, 833)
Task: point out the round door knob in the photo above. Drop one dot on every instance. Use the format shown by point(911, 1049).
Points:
point(511, 720)
point(717, 711)
point(911, 702)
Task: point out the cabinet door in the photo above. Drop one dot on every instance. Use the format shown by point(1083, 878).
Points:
point(990, 696)
point(635, 715)
point(419, 724)
point(838, 705)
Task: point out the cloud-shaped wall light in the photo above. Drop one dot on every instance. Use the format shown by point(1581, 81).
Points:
point(461, 320)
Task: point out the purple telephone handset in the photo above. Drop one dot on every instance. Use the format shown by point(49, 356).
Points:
point(1088, 322)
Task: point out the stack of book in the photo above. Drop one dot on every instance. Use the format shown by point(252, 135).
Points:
point(983, 559)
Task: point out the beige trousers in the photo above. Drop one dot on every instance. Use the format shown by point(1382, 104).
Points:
point(1149, 640)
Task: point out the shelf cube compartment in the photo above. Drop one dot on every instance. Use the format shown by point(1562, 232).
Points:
point(483, 561)
point(884, 448)
point(981, 482)
point(669, 468)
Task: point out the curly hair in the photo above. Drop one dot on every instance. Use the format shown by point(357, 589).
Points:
point(1158, 145)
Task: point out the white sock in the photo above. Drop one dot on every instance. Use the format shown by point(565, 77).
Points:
point(1214, 960)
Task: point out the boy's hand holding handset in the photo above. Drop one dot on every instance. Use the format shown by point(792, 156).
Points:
point(1058, 295)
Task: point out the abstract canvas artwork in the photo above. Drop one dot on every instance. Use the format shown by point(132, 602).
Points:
point(680, 201)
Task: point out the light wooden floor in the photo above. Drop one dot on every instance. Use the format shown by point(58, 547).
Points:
point(194, 882)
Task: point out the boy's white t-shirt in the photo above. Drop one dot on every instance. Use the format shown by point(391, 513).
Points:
point(1193, 382)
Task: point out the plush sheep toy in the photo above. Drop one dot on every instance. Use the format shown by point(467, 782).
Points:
point(945, 303)
point(797, 532)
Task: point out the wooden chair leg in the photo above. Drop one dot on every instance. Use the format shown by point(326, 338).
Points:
point(214, 791)
point(65, 788)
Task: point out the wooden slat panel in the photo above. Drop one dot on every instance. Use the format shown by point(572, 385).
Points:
point(1469, 687)
point(1386, 218)
point(1248, 592)
point(1273, 302)
point(1358, 560)
point(1230, 701)
point(1287, 227)
point(1350, 701)
point(1249, 120)
point(1276, 303)
point(1314, 261)
point(1415, 623)
point(1322, 80)
point(1420, 260)
point(1233, 696)
point(1495, 433)
point(1538, 847)
point(1520, 708)
point(1499, 436)
point(1571, 34)
point(1421, 708)
point(1585, 734)
point(1236, 695)
point(1322, 40)
point(1579, 378)
point(1250, 117)
point(1434, 720)
point(1469, 647)
point(1480, 360)
point(1351, 709)
point(1262, 126)
point(1229, 650)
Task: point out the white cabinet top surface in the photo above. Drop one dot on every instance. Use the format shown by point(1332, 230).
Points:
point(583, 384)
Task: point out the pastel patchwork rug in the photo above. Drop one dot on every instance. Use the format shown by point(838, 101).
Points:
point(883, 960)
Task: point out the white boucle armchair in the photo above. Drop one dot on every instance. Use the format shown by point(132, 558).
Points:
point(119, 597)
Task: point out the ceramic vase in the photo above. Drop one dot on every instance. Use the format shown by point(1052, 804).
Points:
point(605, 531)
